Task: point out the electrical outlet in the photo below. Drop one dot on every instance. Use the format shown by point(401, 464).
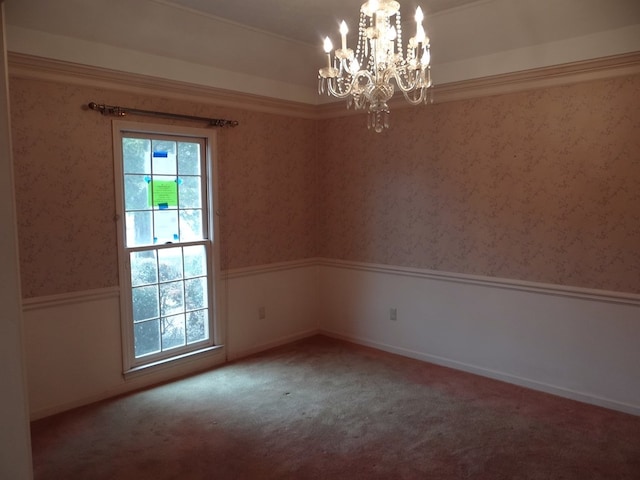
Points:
point(393, 314)
point(262, 313)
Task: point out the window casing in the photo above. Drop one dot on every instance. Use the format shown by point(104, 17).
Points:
point(166, 193)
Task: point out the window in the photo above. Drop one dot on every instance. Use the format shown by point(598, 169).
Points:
point(166, 236)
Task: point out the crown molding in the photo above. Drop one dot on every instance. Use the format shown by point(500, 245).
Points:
point(545, 77)
point(575, 72)
point(40, 68)
point(33, 67)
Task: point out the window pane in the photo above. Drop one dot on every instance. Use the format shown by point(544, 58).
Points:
point(136, 192)
point(189, 188)
point(139, 228)
point(188, 158)
point(171, 298)
point(165, 204)
point(144, 268)
point(170, 260)
point(145, 303)
point(197, 326)
point(173, 332)
point(191, 227)
point(136, 155)
point(195, 261)
point(165, 226)
point(146, 337)
point(164, 157)
point(196, 293)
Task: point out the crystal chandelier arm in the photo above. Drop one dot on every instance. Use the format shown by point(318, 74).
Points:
point(403, 80)
point(415, 101)
point(408, 78)
point(350, 89)
point(337, 92)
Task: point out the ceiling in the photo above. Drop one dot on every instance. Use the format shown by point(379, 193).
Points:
point(273, 47)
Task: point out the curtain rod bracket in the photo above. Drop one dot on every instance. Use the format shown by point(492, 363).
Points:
point(115, 111)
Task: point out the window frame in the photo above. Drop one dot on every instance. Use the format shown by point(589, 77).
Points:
point(131, 365)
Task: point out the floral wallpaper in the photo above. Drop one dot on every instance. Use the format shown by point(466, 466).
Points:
point(540, 186)
point(268, 190)
point(65, 192)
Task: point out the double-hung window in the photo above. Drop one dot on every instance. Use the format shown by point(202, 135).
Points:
point(166, 188)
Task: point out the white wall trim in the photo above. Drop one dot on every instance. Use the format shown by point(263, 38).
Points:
point(248, 287)
point(568, 341)
point(172, 362)
point(544, 77)
point(49, 301)
point(33, 67)
point(504, 283)
point(513, 379)
point(60, 71)
point(258, 76)
point(276, 343)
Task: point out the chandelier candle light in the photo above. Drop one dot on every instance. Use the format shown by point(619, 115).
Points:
point(365, 77)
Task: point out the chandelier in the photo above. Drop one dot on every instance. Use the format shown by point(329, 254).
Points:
point(365, 77)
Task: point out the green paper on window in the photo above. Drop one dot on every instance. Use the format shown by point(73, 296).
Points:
point(165, 193)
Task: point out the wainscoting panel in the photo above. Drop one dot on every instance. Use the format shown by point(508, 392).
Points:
point(73, 347)
point(74, 354)
point(73, 351)
point(286, 291)
point(575, 343)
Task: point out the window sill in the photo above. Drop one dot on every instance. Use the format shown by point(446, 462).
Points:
point(176, 362)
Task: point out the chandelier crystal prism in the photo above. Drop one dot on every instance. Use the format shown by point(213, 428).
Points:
point(367, 76)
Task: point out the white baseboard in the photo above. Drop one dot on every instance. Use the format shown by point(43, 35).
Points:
point(571, 342)
point(520, 381)
point(140, 382)
point(273, 344)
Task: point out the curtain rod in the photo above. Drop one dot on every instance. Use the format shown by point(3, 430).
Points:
point(124, 111)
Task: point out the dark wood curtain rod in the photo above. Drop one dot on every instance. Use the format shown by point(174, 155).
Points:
point(124, 111)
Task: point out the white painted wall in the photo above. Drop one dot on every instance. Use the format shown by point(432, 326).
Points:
point(15, 446)
point(288, 293)
point(576, 343)
point(571, 342)
point(73, 346)
point(74, 353)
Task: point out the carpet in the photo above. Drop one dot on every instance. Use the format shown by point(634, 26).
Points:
point(326, 409)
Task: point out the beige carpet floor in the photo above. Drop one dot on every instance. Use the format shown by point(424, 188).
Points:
point(326, 409)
